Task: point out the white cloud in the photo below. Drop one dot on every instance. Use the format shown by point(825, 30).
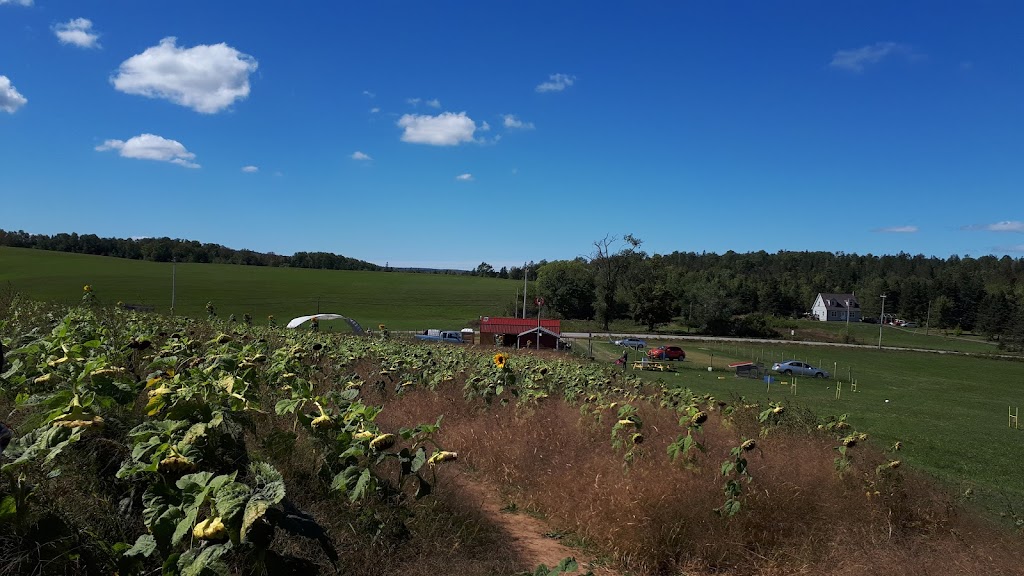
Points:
point(1013, 248)
point(446, 129)
point(206, 78)
point(17, 2)
point(464, 177)
point(897, 229)
point(374, 110)
point(10, 98)
point(413, 101)
point(369, 94)
point(250, 169)
point(77, 31)
point(151, 147)
point(556, 83)
point(435, 103)
point(856, 59)
point(1004, 226)
point(511, 121)
point(357, 155)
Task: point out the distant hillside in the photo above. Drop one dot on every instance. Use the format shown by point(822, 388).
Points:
point(401, 300)
point(168, 249)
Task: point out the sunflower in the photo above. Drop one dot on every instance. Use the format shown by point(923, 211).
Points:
point(87, 288)
point(500, 360)
point(381, 326)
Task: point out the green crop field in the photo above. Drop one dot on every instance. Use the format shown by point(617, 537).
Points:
point(949, 411)
point(402, 301)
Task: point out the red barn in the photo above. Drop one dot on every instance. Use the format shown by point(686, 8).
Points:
point(518, 331)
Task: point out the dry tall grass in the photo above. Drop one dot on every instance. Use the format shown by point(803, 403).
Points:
point(654, 516)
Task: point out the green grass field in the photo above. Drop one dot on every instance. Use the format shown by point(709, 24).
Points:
point(403, 301)
point(949, 411)
point(863, 333)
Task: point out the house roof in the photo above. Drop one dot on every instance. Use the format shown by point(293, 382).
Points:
point(839, 301)
point(494, 325)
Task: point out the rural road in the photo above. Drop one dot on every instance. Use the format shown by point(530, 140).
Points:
point(610, 336)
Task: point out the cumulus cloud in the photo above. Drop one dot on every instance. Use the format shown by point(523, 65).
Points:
point(206, 78)
point(357, 155)
point(897, 229)
point(446, 129)
point(1004, 226)
point(855, 60)
point(10, 98)
point(435, 103)
point(152, 147)
point(464, 177)
point(250, 169)
point(374, 110)
point(556, 83)
point(511, 121)
point(77, 31)
point(17, 2)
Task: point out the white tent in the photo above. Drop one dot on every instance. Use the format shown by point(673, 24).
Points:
point(296, 322)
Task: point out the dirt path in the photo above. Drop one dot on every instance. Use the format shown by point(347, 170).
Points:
point(525, 533)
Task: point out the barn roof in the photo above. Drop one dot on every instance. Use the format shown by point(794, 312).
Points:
point(494, 325)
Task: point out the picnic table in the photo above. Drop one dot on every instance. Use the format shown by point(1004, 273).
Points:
point(647, 365)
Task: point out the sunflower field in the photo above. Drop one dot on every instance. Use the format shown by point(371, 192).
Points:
point(137, 443)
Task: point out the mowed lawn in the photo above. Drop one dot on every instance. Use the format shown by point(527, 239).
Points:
point(864, 333)
point(949, 411)
point(401, 300)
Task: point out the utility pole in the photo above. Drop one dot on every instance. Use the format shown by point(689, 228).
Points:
point(526, 274)
point(174, 271)
point(881, 322)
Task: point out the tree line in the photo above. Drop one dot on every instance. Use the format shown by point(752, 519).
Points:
point(167, 250)
point(738, 294)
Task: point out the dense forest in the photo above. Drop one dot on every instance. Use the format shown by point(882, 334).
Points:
point(167, 249)
point(738, 294)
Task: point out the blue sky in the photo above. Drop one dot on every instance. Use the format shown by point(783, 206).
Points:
point(449, 133)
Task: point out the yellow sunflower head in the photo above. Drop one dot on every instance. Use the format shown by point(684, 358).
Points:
point(87, 288)
point(500, 360)
point(381, 326)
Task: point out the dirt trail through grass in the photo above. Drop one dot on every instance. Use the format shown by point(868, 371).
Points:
point(526, 534)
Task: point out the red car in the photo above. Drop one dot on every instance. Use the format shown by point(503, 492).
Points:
point(666, 353)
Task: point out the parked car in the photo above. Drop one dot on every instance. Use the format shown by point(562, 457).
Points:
point(910, 324)
point(790, 367)
point(635, 343)
point(666, 353)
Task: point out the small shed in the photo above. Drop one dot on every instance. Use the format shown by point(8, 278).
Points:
point(547, 339)
point(507, 331)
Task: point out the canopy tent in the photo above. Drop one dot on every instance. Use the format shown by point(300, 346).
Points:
point(296, 322)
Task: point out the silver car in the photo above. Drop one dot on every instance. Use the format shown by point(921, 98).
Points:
point(790, 367)
point(635, 343)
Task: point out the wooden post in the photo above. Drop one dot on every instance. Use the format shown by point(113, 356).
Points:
point(1014, 421)
point(839, 389)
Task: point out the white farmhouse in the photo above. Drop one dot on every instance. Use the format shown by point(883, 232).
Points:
point(836, 307)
